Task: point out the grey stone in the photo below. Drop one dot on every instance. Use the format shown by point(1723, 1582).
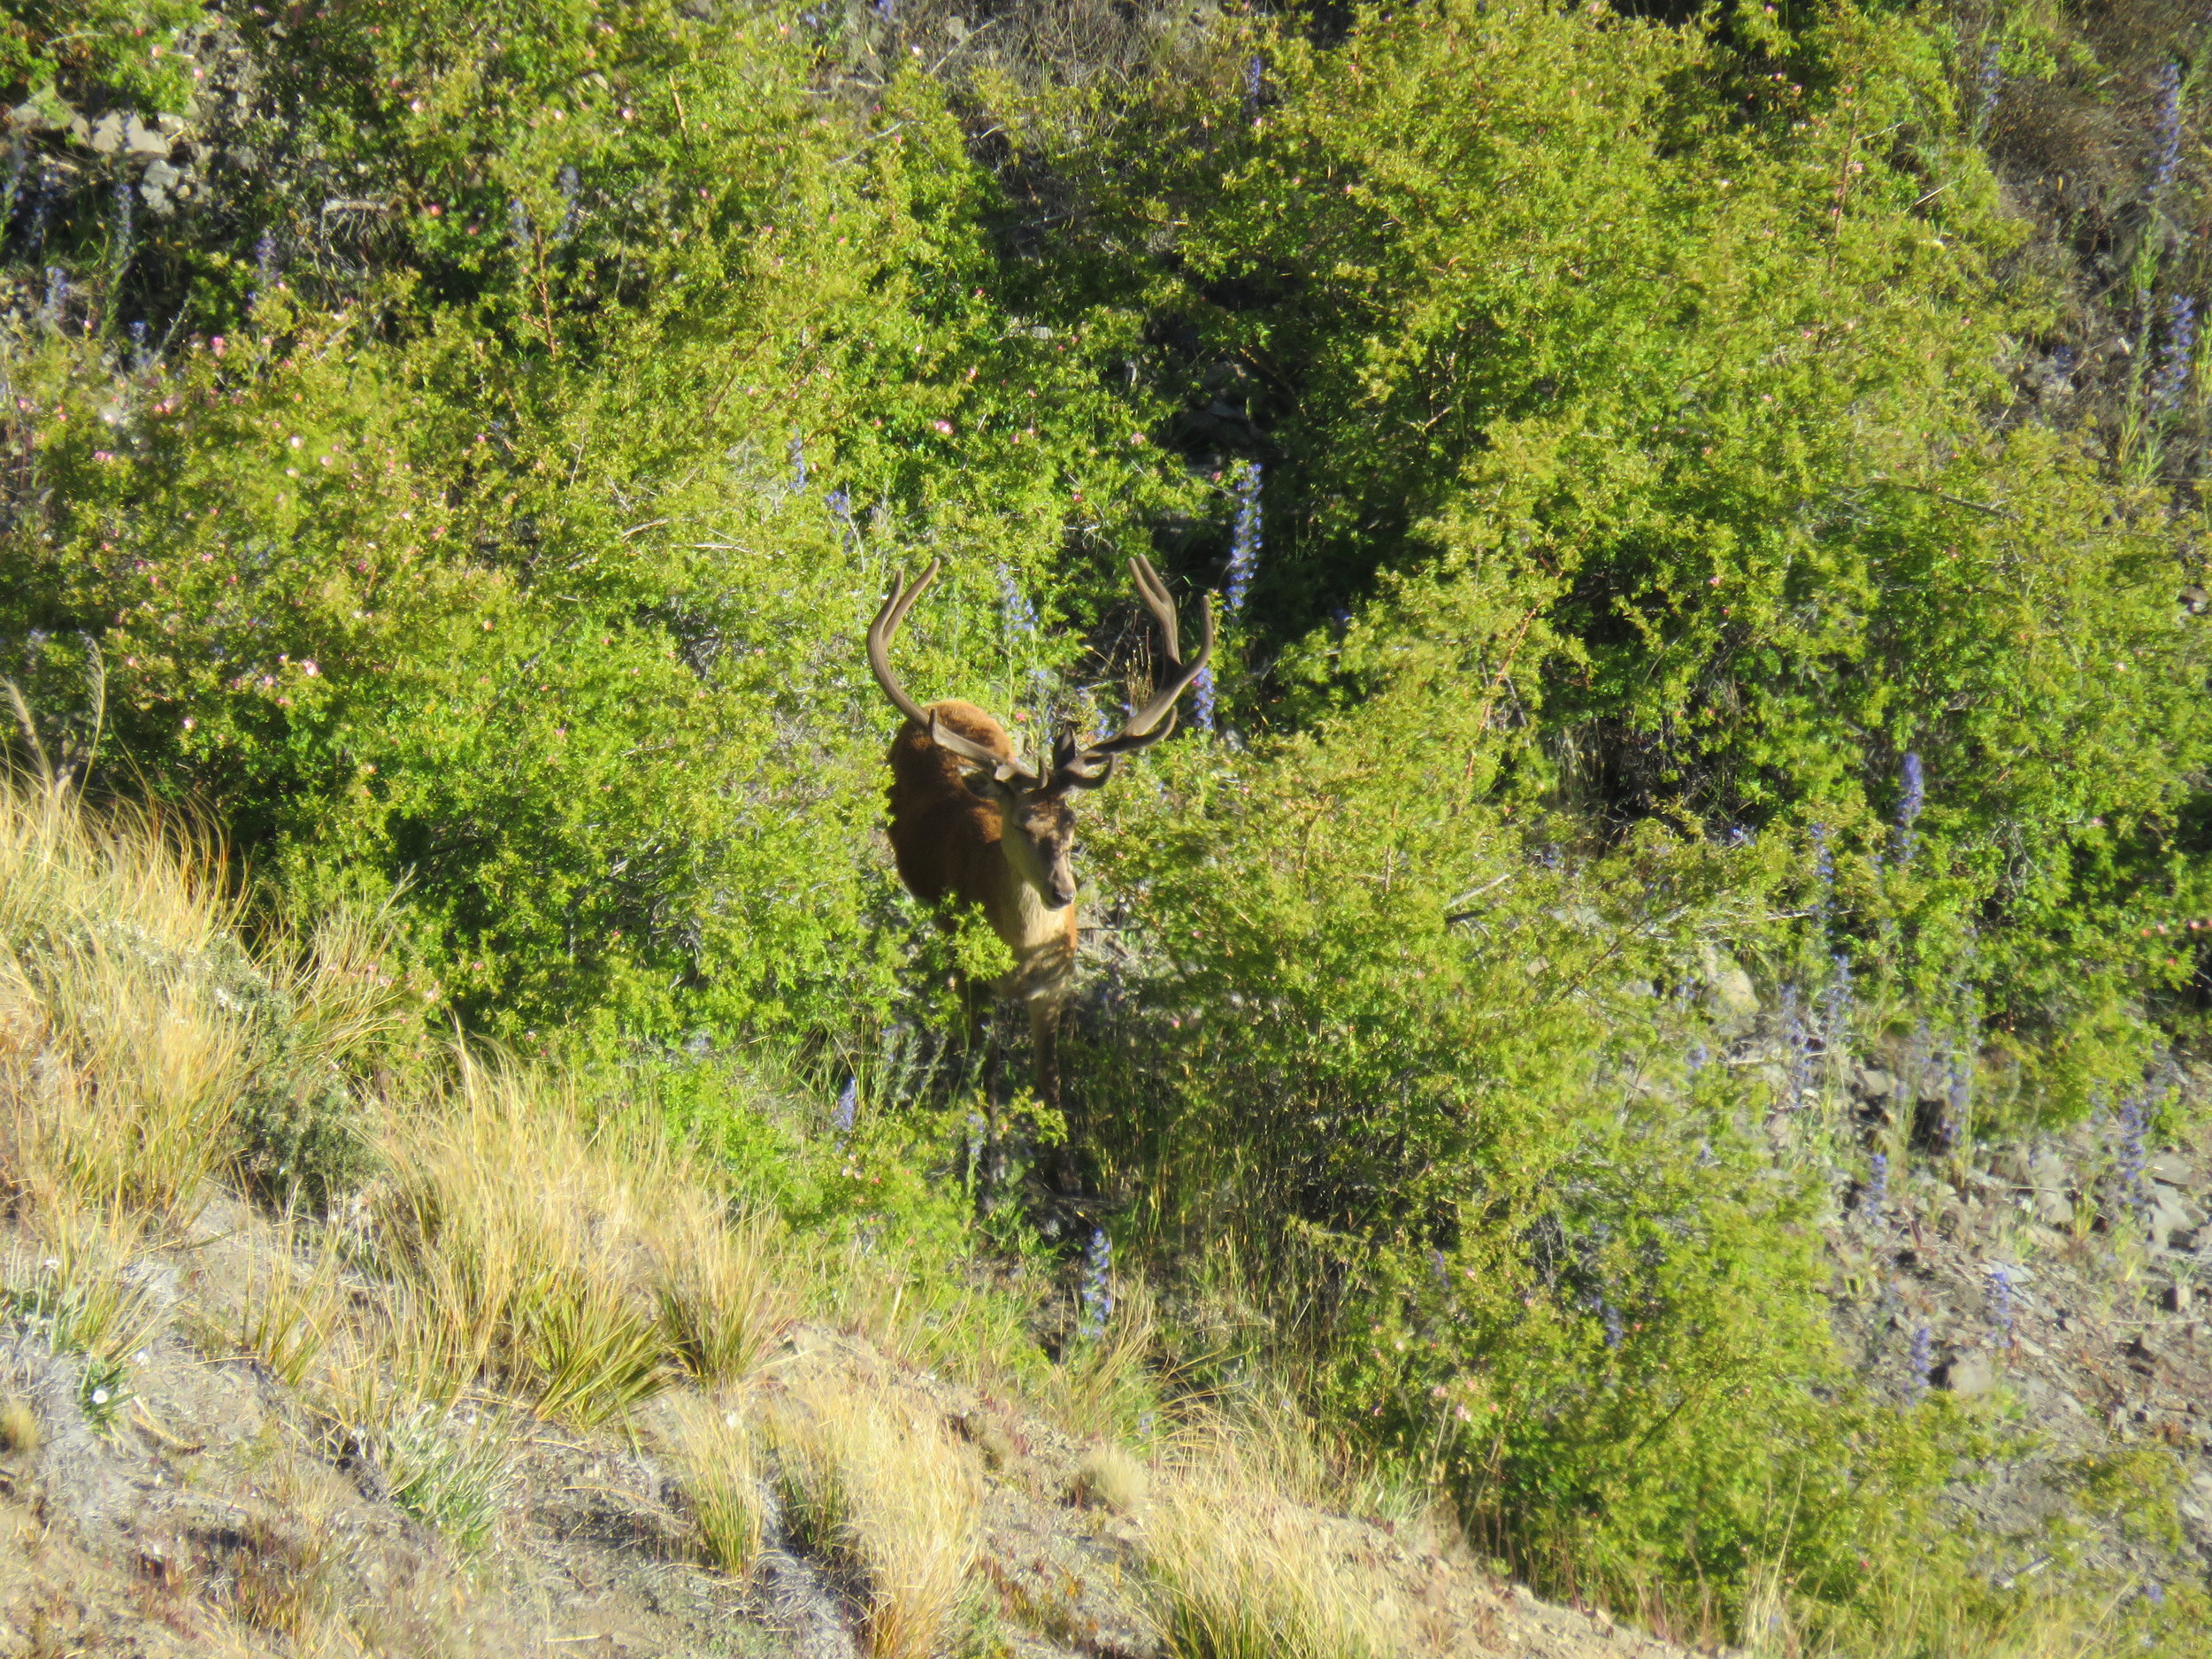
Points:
point(142, 140)
point(1966, 1376)
point(2169, 1170)
point(1872, 1083)
point(2049, 1171)
point(105, 135)
point(2170, 1214)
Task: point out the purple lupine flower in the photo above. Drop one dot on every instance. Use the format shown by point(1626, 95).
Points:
point(1919, 1361)
point(2134, 1122)
point(1254, 84)
point(264, 260)
point(1876, 1195)
point(1913, 797)
point(839, 503)
point(1614, 1331)
point(1021, 616)
point(2176, 358)
point(2166, 159)
point(517, 222)
point(2001, 1303)
point(1988, 82)
point(125, 242)
point(1436, 1263)
point(1697, 1059)
point(798, 463)
point(57, 292)
point(1958, 1097)
point(1201, 699)
point(1244, 538)
point(1796, 1048)
point(884, 8)
point(1098, 1286)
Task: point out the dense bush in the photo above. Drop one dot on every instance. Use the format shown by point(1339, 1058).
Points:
point(470, 441)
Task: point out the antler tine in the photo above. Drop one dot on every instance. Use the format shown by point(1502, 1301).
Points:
point(1095, 763)
point(881, 632)
point(897, 603)
point(1141, 733)
point(1158, 600)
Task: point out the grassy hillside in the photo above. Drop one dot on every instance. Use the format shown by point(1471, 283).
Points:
point(1705, 763)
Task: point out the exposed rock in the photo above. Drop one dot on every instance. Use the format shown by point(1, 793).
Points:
point(1967, 1375)
point(142, 140)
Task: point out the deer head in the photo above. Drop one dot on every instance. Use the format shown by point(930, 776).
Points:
point(1035, 801)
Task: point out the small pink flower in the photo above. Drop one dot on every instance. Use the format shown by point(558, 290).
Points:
point(102, 455)
point(942, 425)
point(309, 667)
point(218, 345)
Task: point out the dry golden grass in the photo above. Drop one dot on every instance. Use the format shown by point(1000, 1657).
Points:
point(870, 1480)
point(525, 1251)
point(714, 1448)
point(719, 1301)
point(578, 1269)
point(118, 1061)
point(532, 1241)
point(128, 1034)
point(1245, 1572)
point(1110, 1478)
point(288, 1314)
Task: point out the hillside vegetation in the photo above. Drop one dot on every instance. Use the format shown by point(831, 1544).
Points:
point(1706, 751)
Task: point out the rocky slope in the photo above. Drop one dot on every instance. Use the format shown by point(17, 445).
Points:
point(206, 1508)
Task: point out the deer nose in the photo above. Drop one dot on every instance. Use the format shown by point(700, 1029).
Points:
point(1062, 895)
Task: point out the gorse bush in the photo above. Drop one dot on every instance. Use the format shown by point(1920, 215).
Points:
point(1651, 554)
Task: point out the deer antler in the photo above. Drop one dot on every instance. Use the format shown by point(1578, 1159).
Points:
point(897, 603)
point(1087, 766)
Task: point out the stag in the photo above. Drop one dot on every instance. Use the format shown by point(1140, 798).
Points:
point(972, 822)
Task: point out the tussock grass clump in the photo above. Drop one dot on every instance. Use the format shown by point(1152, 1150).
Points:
point(19, 1431)
point(1110, 1478)
point(121, 1060)
point(141, 1047)
point(871, 1483)
point(722, 1481)
point(718, 1303)
point(532, 1240)
point(288, 1314)
point(70, 1284)
point(580, 1266)
point(448, 1471)
point(1244, 1572)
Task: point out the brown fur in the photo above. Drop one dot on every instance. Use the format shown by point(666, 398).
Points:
point(958, 842)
